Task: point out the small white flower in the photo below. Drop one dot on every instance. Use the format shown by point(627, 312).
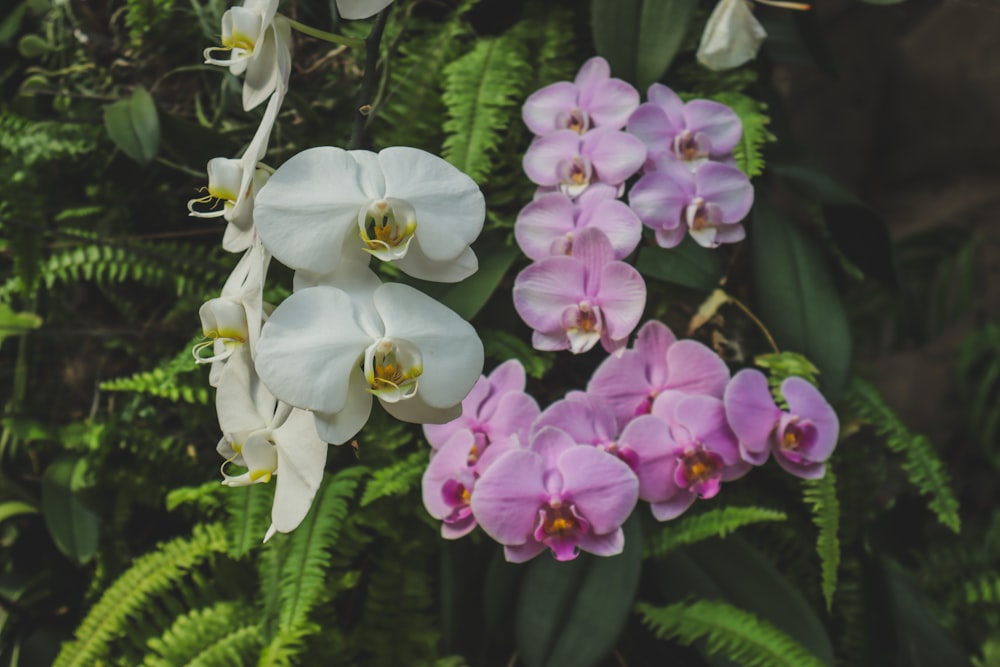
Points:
point(269, 438)
point(328, 350)
point(259, 44)
point(402, 205)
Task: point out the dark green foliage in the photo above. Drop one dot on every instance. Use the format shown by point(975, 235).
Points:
point(734, 633)
point(821, 497)
point(153, 576)
point(396, 479)
point(920, 462)
point(749, 151)
point(482, 90)
point(216, 635)
point(711, 523)
point(175, 380)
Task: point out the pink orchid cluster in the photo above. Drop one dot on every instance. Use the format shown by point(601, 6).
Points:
point(663, 422)
point(591, 136)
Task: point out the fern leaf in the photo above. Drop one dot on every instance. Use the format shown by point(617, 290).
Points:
point(249, 517)
point(201, 633)
point(175, 380)
point(483, 92)
point(749, 151)
point(920, 462)
point(396, 479)
point(821, 496)
point(412, 112)
point(308, 558)
point(502, 346)
point(984, 590)
point(134, 592)
point(737, 634)
point(712, 523)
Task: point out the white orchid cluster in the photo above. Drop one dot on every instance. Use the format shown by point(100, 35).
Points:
point(292, 378)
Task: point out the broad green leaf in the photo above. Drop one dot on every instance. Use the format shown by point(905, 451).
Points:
point(469, 296)
point(73, 527)
point(733, 571)
point(11, 25)
point(570, 614)
point(688, 265)
point(13, 508)
point(640, 38)
point(134, 125)
point(796, 297)
point(33, 46)
point(16, 324)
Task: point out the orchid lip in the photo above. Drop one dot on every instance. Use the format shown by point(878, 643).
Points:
point(391, 368)
point(387, 226)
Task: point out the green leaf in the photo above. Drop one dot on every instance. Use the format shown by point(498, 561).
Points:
point(483, 92)
point(569, 614)
point(640, 38)
point(134, 125)
point(733, 571)
point(16, 324)
point(860, 232)
point(13, 508)
point(469, 296)
point(502, 346)
point(396, 479)
point(73, 527)
point(729, 630)
point(797, 299)
point(821, 496)
point(688, 265)
point(711, 523)
point(11, 25)
point(33, 46)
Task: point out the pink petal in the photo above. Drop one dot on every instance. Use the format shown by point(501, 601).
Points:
point(718, 121)
point(542, 223)
point(670, 103)
point(542, 159)
point(696, 369)
point(602, 487)
point(542, 108)
point(807, 402)
point(609, 544)
point(649, 437)
point(651, 343)
point(544, 289)
point(615, 155)
point(449, 462)
point(752, 413)
point(674, 506)
point(622, 298)
point(727, 187)
point(659, 197)
point(619, 223)
point(611, 103)
point(508, 495)
point(622, 384)
point(592, 73)
point(705, 418)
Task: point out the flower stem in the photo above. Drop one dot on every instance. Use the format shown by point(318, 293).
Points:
point(368, 83)
point(326, 36)
point(756, 320)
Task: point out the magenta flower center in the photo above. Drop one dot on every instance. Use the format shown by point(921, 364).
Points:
point(559, 520)
point(689, 146)
point(699, 471)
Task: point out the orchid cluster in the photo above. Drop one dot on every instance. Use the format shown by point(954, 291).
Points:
point(663, 423)
point(591, 136)
point(294, 377)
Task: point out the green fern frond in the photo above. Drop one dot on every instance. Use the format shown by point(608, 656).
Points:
point(749, 151)
point(135, 592)
point(397, 479)
point(286, 647)
point(782, 365)
point(180, 267)
point(733, 632)
point(412, 112)
point(979, 372)
point(249, 516)
point(712, 523)
point(483, 92)
point(174, 380)
point(984, 590)
point(821, 497)
point(307, 561)
point(201, 633)
point(920, 462)
point(30, 142)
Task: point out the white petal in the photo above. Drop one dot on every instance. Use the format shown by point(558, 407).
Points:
point(449, 205)
point(309, 208)
point(416, 411)
point(309, 347)
point(301, 459)
point(242, 402)
point(262, 71)
point(732, 36)
point(339, 427)
point(360, 9)
point(418, 265)
point(452, 352)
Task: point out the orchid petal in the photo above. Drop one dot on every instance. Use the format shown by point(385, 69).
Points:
point(751, 413)
point(602, 487)
point(508, 495)
point(542, 108)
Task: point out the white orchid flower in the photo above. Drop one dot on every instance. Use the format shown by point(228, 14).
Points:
point(360, 9)
point(269, 438)
point(233, 182)
point(402, 205)
point(732, 36)
point(232, 321)
point(259, 44)
point(330, 351)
